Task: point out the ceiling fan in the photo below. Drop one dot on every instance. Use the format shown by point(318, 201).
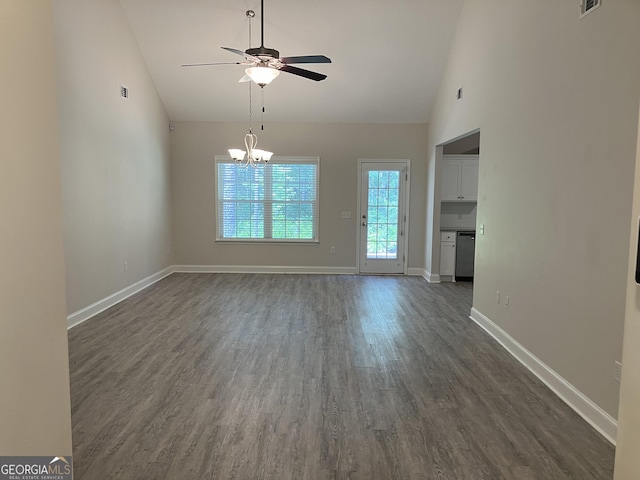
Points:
point(265, 64)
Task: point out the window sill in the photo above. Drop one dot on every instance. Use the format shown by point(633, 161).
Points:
point(246, 241)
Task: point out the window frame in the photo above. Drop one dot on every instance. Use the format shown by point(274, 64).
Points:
point(222, 159)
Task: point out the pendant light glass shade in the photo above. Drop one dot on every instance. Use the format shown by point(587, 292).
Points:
point(237, 154)
point(261, 155)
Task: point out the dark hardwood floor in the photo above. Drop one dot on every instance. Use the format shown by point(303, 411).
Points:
point(238, 376)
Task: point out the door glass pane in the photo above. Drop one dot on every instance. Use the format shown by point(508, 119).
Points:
point(373, 196)
point(382, 225)
point(384, 180)
point(393, 215)
point(372, 214)
point(393, 197)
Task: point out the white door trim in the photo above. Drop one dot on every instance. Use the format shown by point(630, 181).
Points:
point(407, 203)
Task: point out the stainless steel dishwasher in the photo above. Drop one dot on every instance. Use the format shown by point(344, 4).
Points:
point(465, 255)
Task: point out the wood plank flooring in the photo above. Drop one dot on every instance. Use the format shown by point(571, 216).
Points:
point(238, 376)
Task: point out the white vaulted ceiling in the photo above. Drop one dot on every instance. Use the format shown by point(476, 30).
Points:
point(388, 57)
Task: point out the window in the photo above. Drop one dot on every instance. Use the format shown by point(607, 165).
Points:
point(274, 203)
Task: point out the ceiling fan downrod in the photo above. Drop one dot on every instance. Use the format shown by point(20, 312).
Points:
point(262, 23)
point(262, 51)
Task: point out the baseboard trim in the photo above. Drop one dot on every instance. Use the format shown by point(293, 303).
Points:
point(86, 313)
point(264, 269)
point(604, 423)
point(416, 272)
point(431, 277)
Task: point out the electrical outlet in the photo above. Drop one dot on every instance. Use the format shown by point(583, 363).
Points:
point(498, 296)
point(506, 302)
point(617, 371)
point(126, 265)
point(333, 249)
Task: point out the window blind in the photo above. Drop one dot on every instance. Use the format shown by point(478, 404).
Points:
point(273, 203)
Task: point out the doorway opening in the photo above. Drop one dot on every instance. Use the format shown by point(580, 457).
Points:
point(455, 217)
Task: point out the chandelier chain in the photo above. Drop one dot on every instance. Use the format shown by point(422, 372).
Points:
point(250, 111)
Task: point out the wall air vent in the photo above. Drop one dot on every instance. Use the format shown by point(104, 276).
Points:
point(124, 91)
point(588, 6)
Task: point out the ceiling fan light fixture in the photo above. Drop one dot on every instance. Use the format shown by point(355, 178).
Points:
point(262, 75)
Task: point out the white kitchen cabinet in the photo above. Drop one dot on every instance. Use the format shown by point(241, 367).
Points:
point(450, 184)
point(459, 179)
point(447, 254)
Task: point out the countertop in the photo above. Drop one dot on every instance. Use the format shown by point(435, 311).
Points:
point(457, 229)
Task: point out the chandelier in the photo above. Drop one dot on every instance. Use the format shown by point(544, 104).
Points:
point(254, 155)
point(251, 156)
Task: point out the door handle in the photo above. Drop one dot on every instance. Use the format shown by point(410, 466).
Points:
point(364, 224)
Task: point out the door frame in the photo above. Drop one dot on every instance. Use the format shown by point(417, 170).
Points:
point(407, 195)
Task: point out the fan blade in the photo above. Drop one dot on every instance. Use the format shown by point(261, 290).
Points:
point(306, 59)
point(242, 54)
point(234, 50)
point(304, 73)
point(209, 64)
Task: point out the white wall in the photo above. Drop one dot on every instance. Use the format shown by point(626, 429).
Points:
point(458, 215)
point(555, 99)
point(194, 146)
point(114, 153)
point(35, 416)
point(628, 444)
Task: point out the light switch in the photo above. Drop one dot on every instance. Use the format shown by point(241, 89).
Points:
point(481, 229)
point(346, 214)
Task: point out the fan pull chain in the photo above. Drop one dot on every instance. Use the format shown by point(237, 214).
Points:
point(262, 119)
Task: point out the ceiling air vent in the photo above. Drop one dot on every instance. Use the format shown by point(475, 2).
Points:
point(588, 6)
